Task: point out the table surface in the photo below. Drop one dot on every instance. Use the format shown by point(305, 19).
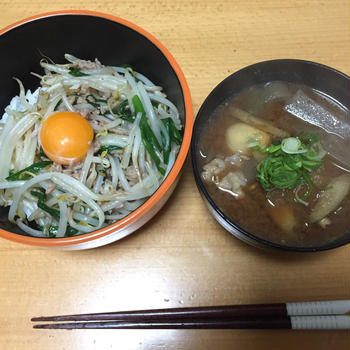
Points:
point(183, 257)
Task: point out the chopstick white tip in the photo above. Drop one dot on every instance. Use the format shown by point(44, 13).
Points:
point(320, 322)
point(332, 307)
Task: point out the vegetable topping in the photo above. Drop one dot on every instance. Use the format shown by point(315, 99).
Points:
point(289, 162)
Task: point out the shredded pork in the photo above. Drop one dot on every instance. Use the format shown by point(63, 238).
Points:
point(233, 182)
point(215, 167)
point(85, 64)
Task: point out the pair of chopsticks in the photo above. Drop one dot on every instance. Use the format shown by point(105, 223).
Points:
point(304, 315)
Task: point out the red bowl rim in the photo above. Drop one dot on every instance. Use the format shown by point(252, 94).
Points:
point(147, 206)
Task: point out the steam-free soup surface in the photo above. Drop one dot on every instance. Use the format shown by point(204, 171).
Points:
point(304, 215)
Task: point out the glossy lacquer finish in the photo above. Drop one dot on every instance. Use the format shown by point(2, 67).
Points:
point(183, 257)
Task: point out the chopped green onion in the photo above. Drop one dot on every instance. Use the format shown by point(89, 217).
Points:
point(309, 137)
point(289, 163)
point(292, 145)
point(274, 147)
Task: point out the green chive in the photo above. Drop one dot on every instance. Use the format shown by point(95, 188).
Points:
point(40, 194)
point(77, 73)
point(34, 169)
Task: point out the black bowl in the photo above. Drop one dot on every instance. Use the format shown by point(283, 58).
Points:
point(114, 41)
point(326, 80)
point(85, 35)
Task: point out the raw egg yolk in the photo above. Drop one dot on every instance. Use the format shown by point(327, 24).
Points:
point(66, 137)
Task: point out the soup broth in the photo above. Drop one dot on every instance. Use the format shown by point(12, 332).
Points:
point(306, 214)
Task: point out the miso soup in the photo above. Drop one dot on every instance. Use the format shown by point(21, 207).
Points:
point(275, 160)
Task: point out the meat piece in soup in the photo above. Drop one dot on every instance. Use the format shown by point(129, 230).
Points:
point(275, 174)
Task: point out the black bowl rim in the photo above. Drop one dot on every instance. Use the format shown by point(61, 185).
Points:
point(260, 242)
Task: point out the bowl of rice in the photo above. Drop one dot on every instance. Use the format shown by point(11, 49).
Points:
point(96, 123)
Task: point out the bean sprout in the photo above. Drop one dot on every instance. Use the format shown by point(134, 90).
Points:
point(132, 152)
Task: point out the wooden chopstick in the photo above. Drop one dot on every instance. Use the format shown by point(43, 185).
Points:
point(287, 322)
point(206, 312)
point(334, 307)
